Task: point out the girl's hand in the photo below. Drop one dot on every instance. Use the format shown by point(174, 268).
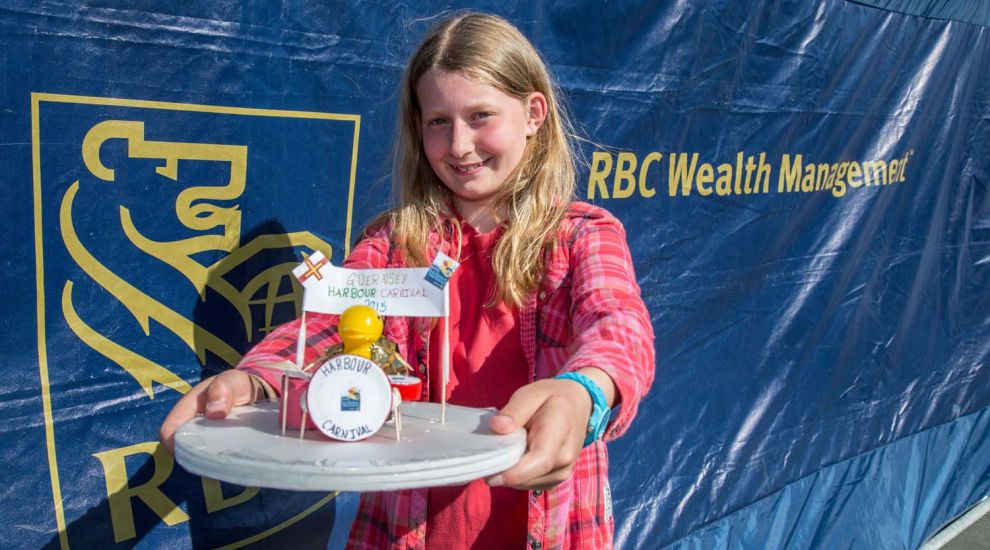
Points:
point(555, 414)
point(213, 397)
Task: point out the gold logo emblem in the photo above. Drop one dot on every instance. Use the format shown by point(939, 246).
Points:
point(158, 259)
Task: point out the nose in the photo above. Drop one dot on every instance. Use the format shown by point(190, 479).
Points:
point(461, 140)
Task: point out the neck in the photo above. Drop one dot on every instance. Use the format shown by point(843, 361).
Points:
point(478, 214)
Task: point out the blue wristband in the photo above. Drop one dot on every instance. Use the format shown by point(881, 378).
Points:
point(599, 407)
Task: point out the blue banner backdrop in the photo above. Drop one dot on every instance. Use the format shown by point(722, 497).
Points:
point(805, 190)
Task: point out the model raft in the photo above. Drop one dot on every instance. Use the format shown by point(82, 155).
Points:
point(347, 395)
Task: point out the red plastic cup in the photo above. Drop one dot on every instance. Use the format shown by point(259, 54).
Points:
point(410, 388)
point(293, 405)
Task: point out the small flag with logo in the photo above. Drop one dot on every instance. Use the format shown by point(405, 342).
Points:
point(442, 270)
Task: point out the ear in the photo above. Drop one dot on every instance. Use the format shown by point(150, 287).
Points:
point(537, 110)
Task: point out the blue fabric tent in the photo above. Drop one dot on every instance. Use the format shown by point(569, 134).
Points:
point(804, 186)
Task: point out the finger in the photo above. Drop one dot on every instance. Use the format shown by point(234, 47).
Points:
point(502, 424)
point(229, 388)
point(185, 409)
point(519, 410)
point(549, 481)
point(551, 451)
point(218, 401)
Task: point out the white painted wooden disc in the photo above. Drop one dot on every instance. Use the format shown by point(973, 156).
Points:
point(247, 448)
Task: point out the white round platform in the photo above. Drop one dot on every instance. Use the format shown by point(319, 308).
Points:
point(247, 448)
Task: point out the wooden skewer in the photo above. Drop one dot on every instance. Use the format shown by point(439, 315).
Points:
point(446, 370)
point(285, 401)
point(396, 401)
point(300, 357)
point(302, 425)
point(301, 342)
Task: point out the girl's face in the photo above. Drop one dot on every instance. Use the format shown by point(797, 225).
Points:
point(474, 136)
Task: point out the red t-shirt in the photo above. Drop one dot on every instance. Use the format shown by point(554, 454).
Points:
point(487, 365)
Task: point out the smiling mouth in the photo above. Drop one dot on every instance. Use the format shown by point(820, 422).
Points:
point(468, 168)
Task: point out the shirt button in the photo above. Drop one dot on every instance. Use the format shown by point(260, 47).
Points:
point(542, 295)
point(422, 368)
point(537, 493)
point(536, 545)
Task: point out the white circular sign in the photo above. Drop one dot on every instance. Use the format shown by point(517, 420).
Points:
point(349, 398)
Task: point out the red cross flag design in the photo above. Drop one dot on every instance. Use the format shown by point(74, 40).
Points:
point(312, 267)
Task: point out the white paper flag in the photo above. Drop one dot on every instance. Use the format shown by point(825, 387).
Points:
point(399, 291)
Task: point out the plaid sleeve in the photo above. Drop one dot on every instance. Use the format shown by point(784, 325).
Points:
point(611, 326)
point(321, 329)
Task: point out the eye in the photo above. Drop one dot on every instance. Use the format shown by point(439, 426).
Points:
point(439, 121)
point(481, 115)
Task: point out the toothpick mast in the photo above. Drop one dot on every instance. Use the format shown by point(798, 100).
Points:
point(302, 425)
point(301, 342)
point(285, 396)
point(300, 359)
point(396, 417)
point(445, 377)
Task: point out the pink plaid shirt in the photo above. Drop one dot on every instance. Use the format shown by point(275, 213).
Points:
point(587, 313)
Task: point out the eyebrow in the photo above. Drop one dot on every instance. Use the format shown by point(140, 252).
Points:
point(472, 108)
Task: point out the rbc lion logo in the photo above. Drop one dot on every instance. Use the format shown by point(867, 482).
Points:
point(215, 231)
point(163, 255)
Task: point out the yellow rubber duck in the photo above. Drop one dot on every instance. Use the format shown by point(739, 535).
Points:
point(359, 328)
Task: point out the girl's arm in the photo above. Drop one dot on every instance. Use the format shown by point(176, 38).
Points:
point(613, 345)
point(611, 325)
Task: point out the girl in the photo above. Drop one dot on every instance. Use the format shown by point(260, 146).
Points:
point(547, 323)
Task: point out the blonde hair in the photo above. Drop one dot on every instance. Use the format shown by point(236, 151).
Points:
point(534, 197)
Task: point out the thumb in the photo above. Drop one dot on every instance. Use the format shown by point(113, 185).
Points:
point(218, 400)
point(519, 410)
